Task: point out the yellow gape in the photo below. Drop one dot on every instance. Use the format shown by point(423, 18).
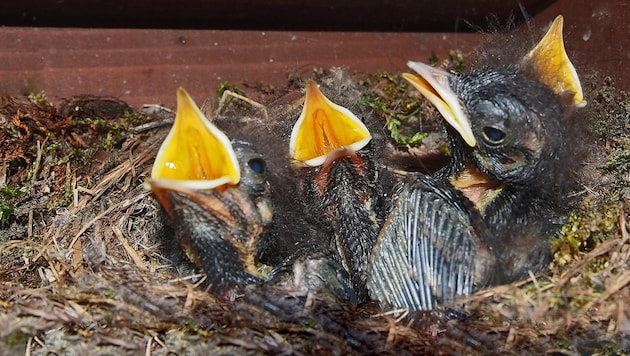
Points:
point(324, 128)
point(195, 154)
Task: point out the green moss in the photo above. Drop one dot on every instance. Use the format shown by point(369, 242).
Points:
point(433, 59)
point(612, 349)
point(618, 166)
point(17, 338)
point(585, 229)
point(457, 63)
point(7, 208)
point(619, 162)
point(11, 192)
point(65, 198)
point(563, 344)
point(395, 120)
point(135, 118)
point(52, 147)
point(190, 327)
point(309, 323)
point(116, 131)
point(109, 294)
point(39, 99)
point(403, 108)
point(398, 106)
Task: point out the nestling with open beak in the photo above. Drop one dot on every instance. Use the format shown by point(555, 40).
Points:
point(215, 195)
point(488, 216)
point(331, 147)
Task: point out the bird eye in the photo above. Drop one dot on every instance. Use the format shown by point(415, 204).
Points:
point(257, 165)
point(493, 136)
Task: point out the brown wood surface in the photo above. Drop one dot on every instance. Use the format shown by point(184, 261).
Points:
point(146, 65)
point(313, 15)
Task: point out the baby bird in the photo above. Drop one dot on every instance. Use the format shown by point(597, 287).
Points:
point(341, 179)
point(487, 217)
point(216, 196)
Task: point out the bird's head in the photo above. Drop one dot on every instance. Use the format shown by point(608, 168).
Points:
point(196, 158)
point(509, 120)
point(514, 122)
point(328, 145)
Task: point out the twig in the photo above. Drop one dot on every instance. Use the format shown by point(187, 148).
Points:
point(121, 204)
point(153, 125)
point(29, 343)
point(600, 250)
point(130, 250)
point(38, 160)
point(3, 174)
point(29, 228)
point(229, 93)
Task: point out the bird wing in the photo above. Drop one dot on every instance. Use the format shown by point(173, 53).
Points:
point(426, 252)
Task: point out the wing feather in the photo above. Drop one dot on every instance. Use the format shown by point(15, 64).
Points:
point(426, 252)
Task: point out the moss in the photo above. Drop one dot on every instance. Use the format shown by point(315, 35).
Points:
point(456, 59)
point(395, 123)
point(585, 229)
point(613, 349)
point(393, 100)
point(17, 338)
point(7, 208)
point(116, 131)
point(409, 117)
point(113, 140)
point(11, 192)
point(135, 118)
point(563, 344)
point(109, 294)
point(52, 147)
point(609, 124)
point(618, 166)
point(39, 99)
point(189, 325)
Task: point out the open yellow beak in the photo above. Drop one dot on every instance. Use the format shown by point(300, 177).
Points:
point(324, 128)
point(552, 65)
point(195, 154)
point(433, 85)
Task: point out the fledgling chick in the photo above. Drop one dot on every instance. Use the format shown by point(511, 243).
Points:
point(216, 196)
point(341, 179)
point(488, 216)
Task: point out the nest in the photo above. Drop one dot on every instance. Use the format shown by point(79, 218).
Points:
point(82, 269)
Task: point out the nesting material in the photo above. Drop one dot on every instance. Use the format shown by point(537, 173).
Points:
point(82, 269)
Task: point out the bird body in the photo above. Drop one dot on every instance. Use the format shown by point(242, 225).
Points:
point(341, 179)
point(216, 196)
point(507, 128)
point(519, 165)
